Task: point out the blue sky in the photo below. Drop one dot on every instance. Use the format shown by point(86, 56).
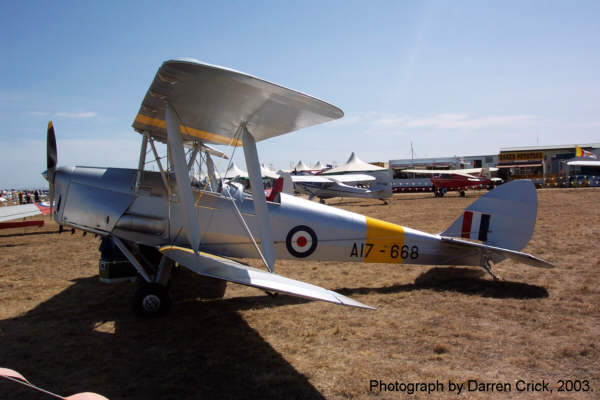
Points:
point(455, 78)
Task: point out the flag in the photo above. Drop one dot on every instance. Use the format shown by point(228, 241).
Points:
point(579, 152)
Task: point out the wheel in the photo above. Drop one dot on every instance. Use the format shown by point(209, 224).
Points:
point(152, 300)
point(462, 193)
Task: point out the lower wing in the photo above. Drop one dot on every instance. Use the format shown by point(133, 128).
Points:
point(223, 268)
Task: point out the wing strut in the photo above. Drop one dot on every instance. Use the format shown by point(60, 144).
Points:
point(184, 186)
point(190, 163)
point(142, 162)
point(212, 175)
point(258, 195)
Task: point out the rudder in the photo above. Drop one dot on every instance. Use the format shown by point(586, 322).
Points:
point(504, 217)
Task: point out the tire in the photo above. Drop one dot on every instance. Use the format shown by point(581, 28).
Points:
point(152, 300)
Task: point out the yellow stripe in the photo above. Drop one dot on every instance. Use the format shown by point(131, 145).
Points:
point(387, 240)
point(212, 137)
point(186, 250)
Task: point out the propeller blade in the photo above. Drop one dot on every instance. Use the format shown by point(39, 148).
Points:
point(51, 148)
point(51, 160)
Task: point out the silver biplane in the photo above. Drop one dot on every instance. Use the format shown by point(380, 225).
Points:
point(157, 219)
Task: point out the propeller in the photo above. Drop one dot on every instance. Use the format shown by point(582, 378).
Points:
point(51, 158)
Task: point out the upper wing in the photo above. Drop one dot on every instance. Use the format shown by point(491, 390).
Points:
point(310, 179)
point(223, 268)
point(440, 172)
point(9, 213)
point(213, 102)
point(585, 163)
point(350, 178)
point(478, 170)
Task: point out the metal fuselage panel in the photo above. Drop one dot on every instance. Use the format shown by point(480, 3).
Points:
point(103, 200)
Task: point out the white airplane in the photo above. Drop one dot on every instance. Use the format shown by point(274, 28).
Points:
point(356, 178)
point(158, 218)
point(10, 213)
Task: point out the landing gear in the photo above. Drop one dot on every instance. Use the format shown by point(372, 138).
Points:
point(321, 200)
point(152, 300)
point(487, 264)
point(154, 270)
point(462, 193)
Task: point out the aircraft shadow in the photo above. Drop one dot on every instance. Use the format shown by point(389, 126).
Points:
point(461, 280)
point(86, 338)
point(29, 234)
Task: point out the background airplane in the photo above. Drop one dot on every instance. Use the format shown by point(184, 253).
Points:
point(456, 179)
point(329, 186)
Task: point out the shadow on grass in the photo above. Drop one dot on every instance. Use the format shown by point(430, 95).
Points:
point(30, 233)
point(462, 280)
point(86, 338)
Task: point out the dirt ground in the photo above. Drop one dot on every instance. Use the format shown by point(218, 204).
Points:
point(67, 332)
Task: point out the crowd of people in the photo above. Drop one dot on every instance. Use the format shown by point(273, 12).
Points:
point(15, 197)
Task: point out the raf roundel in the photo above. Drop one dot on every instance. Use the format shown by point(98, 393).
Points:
point(301, 241)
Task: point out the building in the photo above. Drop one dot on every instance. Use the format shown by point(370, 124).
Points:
point(540, 163)
point(444, 162)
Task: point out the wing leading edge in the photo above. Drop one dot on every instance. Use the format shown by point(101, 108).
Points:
point(212, 103)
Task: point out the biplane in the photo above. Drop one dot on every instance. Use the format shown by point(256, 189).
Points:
point(157, 218)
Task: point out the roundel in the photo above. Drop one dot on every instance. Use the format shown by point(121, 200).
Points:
point(301, 241)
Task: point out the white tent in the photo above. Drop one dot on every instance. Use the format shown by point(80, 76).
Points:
point(203, 175)
point(234, 172)
point(319, 166)
point(267, 172)
point(301, 167)
point(354, 164)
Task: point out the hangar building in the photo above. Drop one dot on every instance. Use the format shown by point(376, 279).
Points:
point(540, 163)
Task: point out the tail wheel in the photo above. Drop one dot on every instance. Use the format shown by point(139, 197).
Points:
point(152, 300)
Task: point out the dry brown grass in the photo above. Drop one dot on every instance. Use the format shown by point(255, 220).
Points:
point(67, 332)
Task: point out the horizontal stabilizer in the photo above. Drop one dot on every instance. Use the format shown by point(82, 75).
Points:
point(497, 254)
point(222, 268)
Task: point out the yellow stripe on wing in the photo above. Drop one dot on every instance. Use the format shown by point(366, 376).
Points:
point(386, 239)
point(207, 136)
point(164, 249)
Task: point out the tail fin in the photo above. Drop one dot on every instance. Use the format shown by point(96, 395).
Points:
point(277, 188)
point(485, 172)
point(504, 217)
point(288, 185)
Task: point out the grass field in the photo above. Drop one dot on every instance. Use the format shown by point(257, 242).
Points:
point(65, 331)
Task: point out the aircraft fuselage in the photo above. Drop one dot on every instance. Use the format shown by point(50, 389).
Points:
point(104, 201)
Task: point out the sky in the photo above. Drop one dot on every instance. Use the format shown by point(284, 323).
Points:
point(452, 78)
